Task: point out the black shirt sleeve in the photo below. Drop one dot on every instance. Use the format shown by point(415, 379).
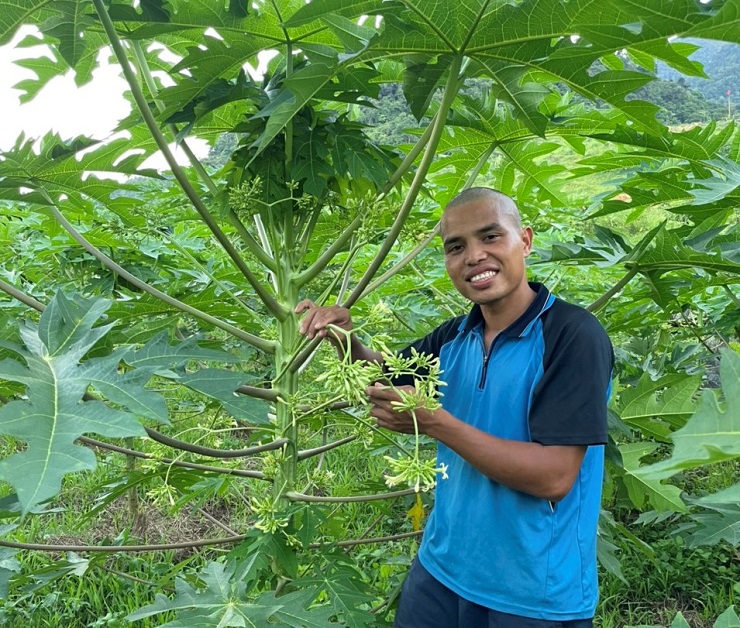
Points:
point(569, 403)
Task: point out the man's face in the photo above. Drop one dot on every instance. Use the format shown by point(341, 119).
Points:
point(484, 253)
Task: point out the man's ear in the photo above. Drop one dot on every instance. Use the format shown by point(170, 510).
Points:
point(527, 236)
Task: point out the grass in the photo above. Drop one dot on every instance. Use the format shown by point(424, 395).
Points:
point(700, 582)
point(96, 598)
point(100, 590)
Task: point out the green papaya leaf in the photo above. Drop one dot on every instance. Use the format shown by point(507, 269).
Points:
point(712, 434)
point(221, 386)
point(642, 491)
point(715, 523)
point(52, 367)
point(223, 601)
point(669, 399)
point(728, 619)
point(160, 355)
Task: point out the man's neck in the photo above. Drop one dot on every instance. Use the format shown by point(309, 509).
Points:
point(498, 316)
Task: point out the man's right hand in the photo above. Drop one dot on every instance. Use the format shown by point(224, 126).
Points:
point(317, 324)
point(317, 320)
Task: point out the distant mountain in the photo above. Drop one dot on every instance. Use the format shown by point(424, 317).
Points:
point(721, 61)
point(679, 103)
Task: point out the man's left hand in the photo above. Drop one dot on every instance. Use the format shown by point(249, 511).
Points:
point(388, 416)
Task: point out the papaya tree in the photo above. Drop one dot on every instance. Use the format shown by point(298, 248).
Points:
point(150, 287)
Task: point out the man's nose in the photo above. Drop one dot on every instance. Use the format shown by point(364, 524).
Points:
point(474, 254)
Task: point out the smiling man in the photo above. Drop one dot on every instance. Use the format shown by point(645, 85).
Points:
point(511, 541)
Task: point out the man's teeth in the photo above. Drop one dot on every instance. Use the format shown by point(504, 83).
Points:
point(483, 276)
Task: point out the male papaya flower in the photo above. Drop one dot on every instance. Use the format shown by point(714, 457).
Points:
point(267, 519)
point(350, 379)
point(421, 475)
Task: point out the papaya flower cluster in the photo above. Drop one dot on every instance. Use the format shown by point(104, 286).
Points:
point(350, 379)
point(267, 520)
point(421, 475)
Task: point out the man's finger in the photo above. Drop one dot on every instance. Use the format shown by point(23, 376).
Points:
point(304, 305)
point(376, 390)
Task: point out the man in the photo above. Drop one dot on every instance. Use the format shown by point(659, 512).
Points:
point(511, 541)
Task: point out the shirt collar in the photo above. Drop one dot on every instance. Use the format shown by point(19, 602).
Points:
point(521, 326)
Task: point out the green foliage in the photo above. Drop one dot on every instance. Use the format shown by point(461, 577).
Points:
point(221, 600)
point(658, 407)
point(711, 435)
point(54, 414)
point(201, 268)
point(678, 103)
point(720, 61)
point(668, 580)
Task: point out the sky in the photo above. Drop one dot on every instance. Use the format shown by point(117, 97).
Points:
point(92, 110)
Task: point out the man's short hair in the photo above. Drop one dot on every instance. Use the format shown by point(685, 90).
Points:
point(503, 203)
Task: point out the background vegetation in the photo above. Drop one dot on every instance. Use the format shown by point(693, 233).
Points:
point(175, 453)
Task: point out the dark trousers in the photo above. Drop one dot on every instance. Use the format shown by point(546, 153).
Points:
point(426, 603)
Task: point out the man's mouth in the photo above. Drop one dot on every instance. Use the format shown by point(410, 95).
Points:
point(489, 274)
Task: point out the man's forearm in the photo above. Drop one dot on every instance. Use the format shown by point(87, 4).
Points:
point(546, 471)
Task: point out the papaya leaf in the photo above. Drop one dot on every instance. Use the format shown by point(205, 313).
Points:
point(44, 69)
point(221, 602)
point(54, 63)
point(296, 93)
point(208, 64)
point(728, 619)
point(9, 566)
point(221, 386)
point(68, 26)
point(719, 187)
point(679, 621)
point(642, 491)
point(669, 399)
point(421, 79)
point(716, 523)
point(712, 434)
point(15, 13)
point(721, 24)
point(189, 18)
point(670, 254)
point(158, 355)
point(346, 589)
point(54, 414)
point(354, 37)
point(62, 167)
point(525, 96)
point(293, 609)
point(730, 495)
point(608, 556)
point(326, 8)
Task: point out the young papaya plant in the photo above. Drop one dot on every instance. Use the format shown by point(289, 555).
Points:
point(179, 287)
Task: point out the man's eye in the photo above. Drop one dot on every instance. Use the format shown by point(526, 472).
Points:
point(489, 237)
point(451, 250)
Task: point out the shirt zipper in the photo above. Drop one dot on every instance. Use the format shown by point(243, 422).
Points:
point(487, 355)
point(486, 360)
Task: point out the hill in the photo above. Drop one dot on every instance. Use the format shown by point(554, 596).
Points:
point(721, 61)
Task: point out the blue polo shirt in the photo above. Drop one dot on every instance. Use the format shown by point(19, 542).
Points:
point(546, 379)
